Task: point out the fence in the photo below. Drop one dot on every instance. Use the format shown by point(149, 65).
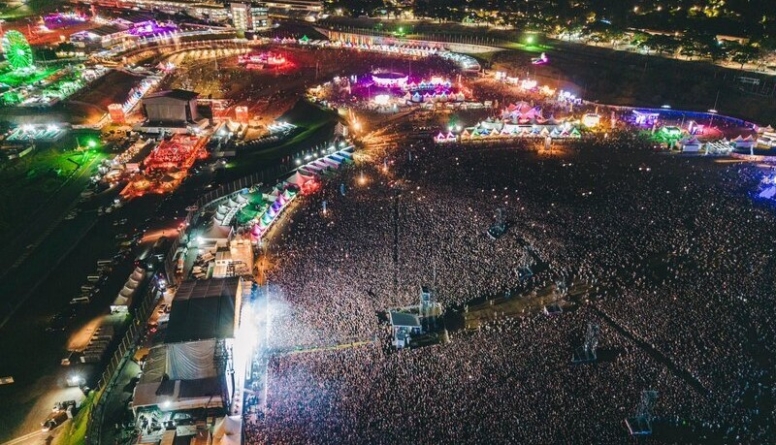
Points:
point(260, 177)
point(668, 113)
point(108, 379)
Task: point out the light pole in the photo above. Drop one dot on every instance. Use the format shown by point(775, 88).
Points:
point(713, 111)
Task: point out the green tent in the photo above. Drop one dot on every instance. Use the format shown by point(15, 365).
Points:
point(247, 214)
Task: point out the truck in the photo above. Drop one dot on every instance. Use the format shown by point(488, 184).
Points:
point(54, 419)
point(83, 299)
point(104, 262)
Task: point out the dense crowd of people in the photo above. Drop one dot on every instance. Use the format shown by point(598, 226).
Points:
point(675, 251)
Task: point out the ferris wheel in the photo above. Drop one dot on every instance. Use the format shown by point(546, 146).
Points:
point(17, 50)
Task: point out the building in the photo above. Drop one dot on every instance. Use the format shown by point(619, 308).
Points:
point(204, 10)
point(121, 31)
point(307, 9)
point(250, 16)
point(207, 11)
point(172, 111)
point(105, 36)
point(171, 106)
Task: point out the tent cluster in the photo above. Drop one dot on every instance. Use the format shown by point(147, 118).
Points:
point(290, 40)
point(723, 147)
point(327, 163)
point(467, 63)
point(227, 209)
point(435, 97)
point(413, 50)
point(518, 131)
point(286, 191)
point(280, 127)
point(522, 112)
point(369, 43)
point(280, 197)
point(442, 138)
point(744, 142)
point(689, 144)
point(433, 84)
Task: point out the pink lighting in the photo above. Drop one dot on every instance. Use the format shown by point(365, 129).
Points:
point(264, 60)
point(389, 80)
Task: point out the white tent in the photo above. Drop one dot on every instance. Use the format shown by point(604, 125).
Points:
point(691, 145)
point(228, 431)
point(747, 142)
point(297, 179)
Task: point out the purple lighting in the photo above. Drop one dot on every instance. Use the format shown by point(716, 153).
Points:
point(540, 60)
point(63, 19)
point(150, 28)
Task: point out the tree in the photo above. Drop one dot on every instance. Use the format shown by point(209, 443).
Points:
point(744, 54)
point(639, 38)
point(662, 43)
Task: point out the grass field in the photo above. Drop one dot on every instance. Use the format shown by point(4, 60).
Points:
point(18, 9)
point(27, 182)
point(317, 124)
point(623, 78)
point(15, 78)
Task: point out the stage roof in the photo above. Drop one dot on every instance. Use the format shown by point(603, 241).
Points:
point(404, 319)
point(204, 309)
point(180, 395)
point(174, 94)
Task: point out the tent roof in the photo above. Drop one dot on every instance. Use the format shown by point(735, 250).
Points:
point(180, 394)
point(297, 178)
point(174, 94)
point(228, 431)
point(204, 309)
point(404, 319)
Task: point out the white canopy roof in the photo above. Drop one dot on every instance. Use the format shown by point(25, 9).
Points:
point(228, 431)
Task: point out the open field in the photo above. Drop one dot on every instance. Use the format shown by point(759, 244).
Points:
point(92, 102)
point(621, 78)
point(27, 182)
point(16, 79)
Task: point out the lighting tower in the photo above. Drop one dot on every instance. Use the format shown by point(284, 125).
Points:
point(641, 423)
point(587, 353)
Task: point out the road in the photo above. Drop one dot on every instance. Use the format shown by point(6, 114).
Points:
point(30, 438)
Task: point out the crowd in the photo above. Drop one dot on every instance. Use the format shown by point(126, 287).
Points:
point(677, 254)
